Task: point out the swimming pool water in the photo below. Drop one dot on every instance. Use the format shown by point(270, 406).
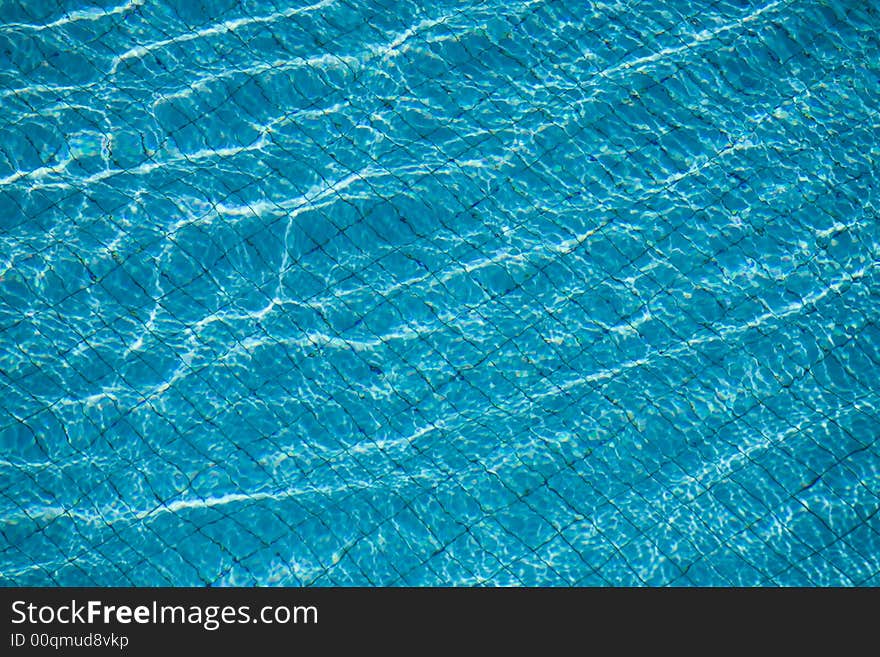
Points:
point(409, 293)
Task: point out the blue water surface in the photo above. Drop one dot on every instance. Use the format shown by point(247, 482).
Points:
point(414, 293)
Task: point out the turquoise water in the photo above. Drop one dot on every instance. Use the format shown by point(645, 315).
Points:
point(413, 293)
